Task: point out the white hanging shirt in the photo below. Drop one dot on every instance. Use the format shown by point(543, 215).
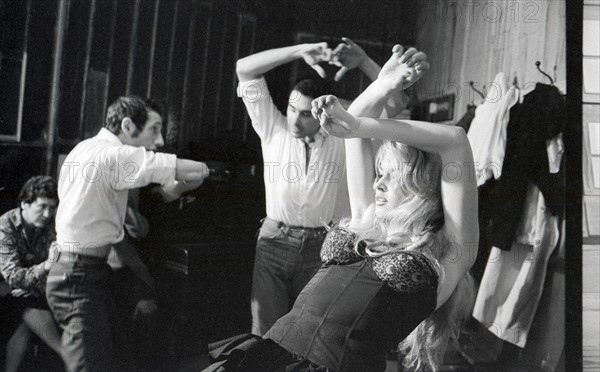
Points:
point(487, 133)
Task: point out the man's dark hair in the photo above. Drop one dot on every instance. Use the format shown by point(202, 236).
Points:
point(134, 107)
point(38, 187)
point(312, 87)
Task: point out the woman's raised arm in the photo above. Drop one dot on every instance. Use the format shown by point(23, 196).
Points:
point(458, 186)
point(385, 92)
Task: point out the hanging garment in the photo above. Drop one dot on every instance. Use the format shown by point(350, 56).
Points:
point(513, 280)
point(533, 127)
point(487, 133)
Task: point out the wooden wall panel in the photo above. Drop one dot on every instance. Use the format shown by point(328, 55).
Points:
point(143, 48)
point(158, 84)
point(239, 120)
point(177, 63)
point(198, 40)
point(120, 50)
point(74, 73)
point(13, 65)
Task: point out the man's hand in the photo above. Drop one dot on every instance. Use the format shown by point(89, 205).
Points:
point(145, 308)
point(333, 118)
point(20, 293)
point(313, 54)
point(347, 55)
point(403, 69)
point(174, 190)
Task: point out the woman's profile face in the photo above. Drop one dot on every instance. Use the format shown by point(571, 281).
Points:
point(388, 193)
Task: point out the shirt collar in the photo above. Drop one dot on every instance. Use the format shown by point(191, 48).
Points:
point(321, 133)
point(19, 222)
point(319, 138)
point(16, 217)
point(109, 136)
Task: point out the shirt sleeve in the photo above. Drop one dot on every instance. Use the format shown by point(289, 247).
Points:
point(266, 118)
point(136, 167)
point(16, 275)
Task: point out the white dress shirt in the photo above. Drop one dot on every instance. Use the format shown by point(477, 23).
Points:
point(487, 133)
point(294, 196)
point(92, 188)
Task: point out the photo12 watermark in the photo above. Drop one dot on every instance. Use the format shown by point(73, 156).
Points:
point(480, 11)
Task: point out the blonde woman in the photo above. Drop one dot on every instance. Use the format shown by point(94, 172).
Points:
point(397, 270)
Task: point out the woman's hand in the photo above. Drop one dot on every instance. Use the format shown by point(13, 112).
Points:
point(333, 118)
point(403, 69)
point(313, 54)
point(347, 55)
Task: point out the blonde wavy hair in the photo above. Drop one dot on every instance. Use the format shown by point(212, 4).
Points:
point(416, 223)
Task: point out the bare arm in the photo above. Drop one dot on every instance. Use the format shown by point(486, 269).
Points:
point(189, 170)
point(255, 65)
point(385, 92)
point(458, 186)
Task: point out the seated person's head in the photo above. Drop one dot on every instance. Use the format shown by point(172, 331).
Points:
point(136, 121)
point(408, 190)
point(38, 199)
point(299, 118)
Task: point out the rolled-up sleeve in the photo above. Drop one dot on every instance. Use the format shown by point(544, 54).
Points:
point(265, 117)
point(138, 167)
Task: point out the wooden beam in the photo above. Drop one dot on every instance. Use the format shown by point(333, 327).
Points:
point(59, 36)
point(132, 46)
point(184, 129)
point(111, 44)
point(202, 82)
point(152, 48)
point(86, 68)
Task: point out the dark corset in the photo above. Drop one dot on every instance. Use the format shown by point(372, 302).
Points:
point(350, 314)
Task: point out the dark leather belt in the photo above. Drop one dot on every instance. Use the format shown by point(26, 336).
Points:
point(299, 231)
point(57, 254)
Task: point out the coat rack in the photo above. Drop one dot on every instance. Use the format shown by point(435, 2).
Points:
point(537, 64)
point(471, 83)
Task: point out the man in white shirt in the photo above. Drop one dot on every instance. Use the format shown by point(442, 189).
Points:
point(93, 186)
point(305, 173)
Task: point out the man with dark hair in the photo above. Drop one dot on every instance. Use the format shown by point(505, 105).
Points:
point(26, 234)
point(93, 186)
point(305, 175)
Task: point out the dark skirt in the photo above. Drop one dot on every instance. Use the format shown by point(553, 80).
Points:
point(251, 353)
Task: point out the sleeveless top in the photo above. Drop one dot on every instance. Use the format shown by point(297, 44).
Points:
point(355, 309)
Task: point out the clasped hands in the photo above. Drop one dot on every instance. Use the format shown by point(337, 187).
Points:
point(402, 70)
point(349, 55)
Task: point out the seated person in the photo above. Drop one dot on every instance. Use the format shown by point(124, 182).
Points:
point(26, 235)
point(397, 271)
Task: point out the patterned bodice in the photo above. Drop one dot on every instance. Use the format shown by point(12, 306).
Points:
point(403, 271)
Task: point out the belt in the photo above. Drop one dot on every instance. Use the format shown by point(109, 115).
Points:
point(299, 231)
point(82, 258)
point(57, 254)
